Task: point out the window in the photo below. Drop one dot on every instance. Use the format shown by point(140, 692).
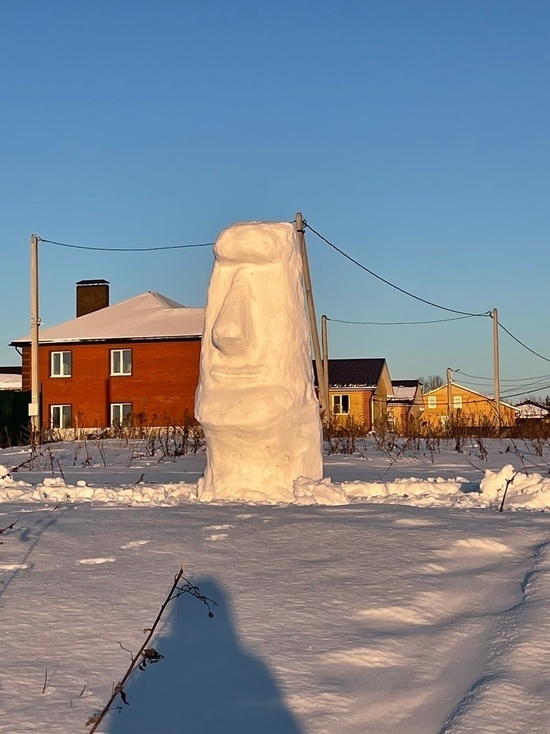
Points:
point(60, 416)
point(340, 404)
point(61, 364)
point(121, 414)
point(457, 401)
point(432, 401)
point(121, 361)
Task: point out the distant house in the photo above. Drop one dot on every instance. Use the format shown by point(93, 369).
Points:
point(11, 378)
point(467, 406)
point(529, 410)
point(405, 405)
point(359, 389)
point(136, 362)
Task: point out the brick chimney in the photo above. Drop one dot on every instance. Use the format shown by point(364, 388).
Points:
point(91, 295)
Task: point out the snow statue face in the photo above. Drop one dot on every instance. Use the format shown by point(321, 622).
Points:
point(255, 398)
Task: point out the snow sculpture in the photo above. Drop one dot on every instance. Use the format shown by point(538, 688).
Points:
point(255, 398)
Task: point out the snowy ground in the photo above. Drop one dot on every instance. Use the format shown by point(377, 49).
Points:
point(402, 607)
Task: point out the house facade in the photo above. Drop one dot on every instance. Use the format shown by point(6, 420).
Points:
point(405, 405)
point(358, 390)
point(133, 363)
point(458, 403)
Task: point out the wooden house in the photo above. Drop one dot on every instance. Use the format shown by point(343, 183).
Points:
point(359, 389)
point(462, 404)
point(405, 405)
point(133, 363)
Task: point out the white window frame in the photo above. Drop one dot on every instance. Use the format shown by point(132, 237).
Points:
point(124, 417)
point(64, 366)
point(337, 407)
point(64, 418)
point(117, 355)
point(432, 401)
point(457, 402)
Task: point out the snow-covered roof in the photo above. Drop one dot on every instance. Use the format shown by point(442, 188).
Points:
point(147, 316)
point(528, 409)
point(10, 382)
point(403, 392)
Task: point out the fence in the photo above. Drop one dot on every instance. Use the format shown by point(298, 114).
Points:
point(14, 417)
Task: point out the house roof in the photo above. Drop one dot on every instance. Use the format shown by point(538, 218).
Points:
point(354, 372)
point(404, 390)
point(10, 378)
point(531, 409)
point(147, 316)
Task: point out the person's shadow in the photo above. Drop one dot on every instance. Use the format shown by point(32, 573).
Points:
point(206, 682)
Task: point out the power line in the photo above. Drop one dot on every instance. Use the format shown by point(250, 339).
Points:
point(125, 249)
point(401, 323)
point(519, 379)
point(546, 359)
point(387, 282)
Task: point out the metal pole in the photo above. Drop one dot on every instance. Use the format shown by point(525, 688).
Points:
point(311, 311)
point(34, 405)
point(496, 365)
point(449, 392)
point(324, 344)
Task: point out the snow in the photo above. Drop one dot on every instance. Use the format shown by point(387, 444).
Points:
point(10, 382)
point(255, 399)
point(146, 316)
point(410, 607)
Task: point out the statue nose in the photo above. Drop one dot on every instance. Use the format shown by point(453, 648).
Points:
point(232, 330)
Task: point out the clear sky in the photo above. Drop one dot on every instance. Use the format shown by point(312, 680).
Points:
point(413, 134)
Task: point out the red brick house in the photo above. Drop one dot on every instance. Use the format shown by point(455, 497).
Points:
point(136, 362)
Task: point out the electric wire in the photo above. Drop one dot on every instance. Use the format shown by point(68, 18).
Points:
point(387, 282)
point(401, 323)
point(125, 249)
point(517, 379)
point(546, 359)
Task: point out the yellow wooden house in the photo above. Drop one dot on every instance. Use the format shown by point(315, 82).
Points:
point(359, 390)
point(463, 405)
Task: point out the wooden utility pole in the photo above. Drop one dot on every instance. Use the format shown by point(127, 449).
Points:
point(300, 230)
point(34, 405)
point(496, 365)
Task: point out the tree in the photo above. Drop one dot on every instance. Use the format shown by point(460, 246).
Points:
point(431, 382)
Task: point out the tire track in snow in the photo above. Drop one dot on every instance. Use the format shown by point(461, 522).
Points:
point(513, 695)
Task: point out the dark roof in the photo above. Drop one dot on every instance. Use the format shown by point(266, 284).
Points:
point(405, 383)
point(353, 372)
point(11, 370)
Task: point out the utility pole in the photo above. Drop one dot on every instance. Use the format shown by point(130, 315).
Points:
point(34, 405)
point(496, 365)
point(449, 392)
point(324, 344)
point(300, 230)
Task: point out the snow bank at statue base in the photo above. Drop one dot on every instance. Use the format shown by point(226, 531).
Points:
point(527, 492)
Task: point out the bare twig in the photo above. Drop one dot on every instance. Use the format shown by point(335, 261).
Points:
point(5, 530)
point(146, 654)
point(45, 681)
point(508, 483)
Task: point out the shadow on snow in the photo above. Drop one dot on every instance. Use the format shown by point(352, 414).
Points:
point(206, 682)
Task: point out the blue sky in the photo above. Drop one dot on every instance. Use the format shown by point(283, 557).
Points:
point(413, 135)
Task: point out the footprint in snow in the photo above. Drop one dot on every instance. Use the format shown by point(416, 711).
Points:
point(135, 544)
point(96, 561)
point(217, 535)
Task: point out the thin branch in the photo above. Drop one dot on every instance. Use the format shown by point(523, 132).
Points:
point(149, 655)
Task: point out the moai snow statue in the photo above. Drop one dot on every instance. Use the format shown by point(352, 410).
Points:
point(255, 398)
